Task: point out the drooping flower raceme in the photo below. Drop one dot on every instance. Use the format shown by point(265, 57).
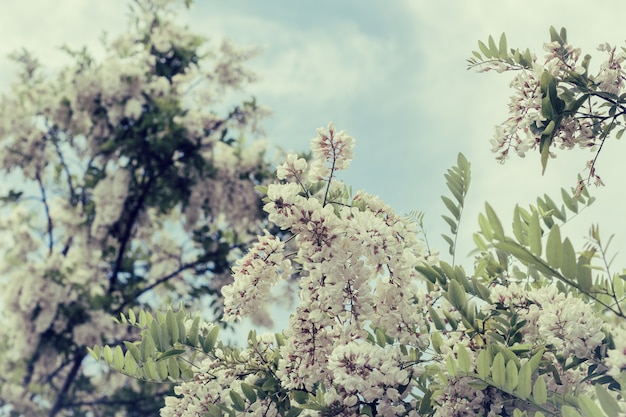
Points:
point(355, 264)
point(522, 130)
point(564, 322)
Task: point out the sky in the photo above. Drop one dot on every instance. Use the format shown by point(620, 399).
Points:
point(393, 75)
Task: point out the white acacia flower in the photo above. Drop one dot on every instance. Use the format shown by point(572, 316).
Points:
point(293, 167)
point(333, 148)
point(254, 275)
point(616, 360)
point(109, 196)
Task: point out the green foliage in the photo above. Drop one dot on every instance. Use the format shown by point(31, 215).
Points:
point(457, 180)
point(164, 349)
point(537, 253)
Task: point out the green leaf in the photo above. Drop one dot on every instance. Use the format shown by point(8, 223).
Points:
point(147, 348)
point(483, 48)
point(569, 411)
point(456, 295)
point(169, 353)
point(585, 280)
point(485, 228)
point(161, 368)
point(524, 386)
point(451, 366)
point(437, 341)
point(150, 372)
point(480, 243)
point(556, 211)
point(238, 402)
point(429, 273)
point(367, 411)
point(544, 148)
point(618, 285)
point(498, 371)
point(451, 207)
point(214, 411)
point(454, 181)
point(570, 203)
point(187, 372)
point(248, 391)
point(211, 338)
point(482, 290)
point(118, 358)
point(477, 384)
point(450, 243)
point(504, 53)
point(181, 317)
point(554, 250)
point(157, 336)
point(463, 358)
point(484, 364)
point(131, 316)
point(608, 403)
point(534, 362)
point(512, 377)
point(589, 407)
point(107, 353)
point(192, 337)
point(143, 318)
point(173, 369)
point(172, 326)
point(299, 396)
point(555, 37)
point(453, 225)
point(95, 352)
point(381, 340)
point(451, 320)
point(519, 227)
point(540, 392)
point(568, 264)
point(270, 385)
point(534, 234)
point(496, 226)
point(132, 348)
point(294, 412)
point(130, 364)
point(492, 47)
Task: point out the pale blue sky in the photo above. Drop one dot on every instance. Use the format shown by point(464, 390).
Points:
point(392, 74)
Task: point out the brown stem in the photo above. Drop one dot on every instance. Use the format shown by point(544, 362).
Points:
point(69, 380)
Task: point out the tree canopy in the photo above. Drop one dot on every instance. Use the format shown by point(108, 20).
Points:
point(128, 186)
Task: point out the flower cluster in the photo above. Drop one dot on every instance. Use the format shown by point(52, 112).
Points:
point(558, 103)
point(460, 399)
point(355, 262)
point(616, 360)
point(565, 323)
point(521, 131)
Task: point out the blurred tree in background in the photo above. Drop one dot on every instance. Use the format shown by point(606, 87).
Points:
point(126, 184)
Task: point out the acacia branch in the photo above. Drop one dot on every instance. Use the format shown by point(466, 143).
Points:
point(44, 200)
point(116, 402)
point(69, 380)
point(66, 169)
point(157, 283)
point(134, 214)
